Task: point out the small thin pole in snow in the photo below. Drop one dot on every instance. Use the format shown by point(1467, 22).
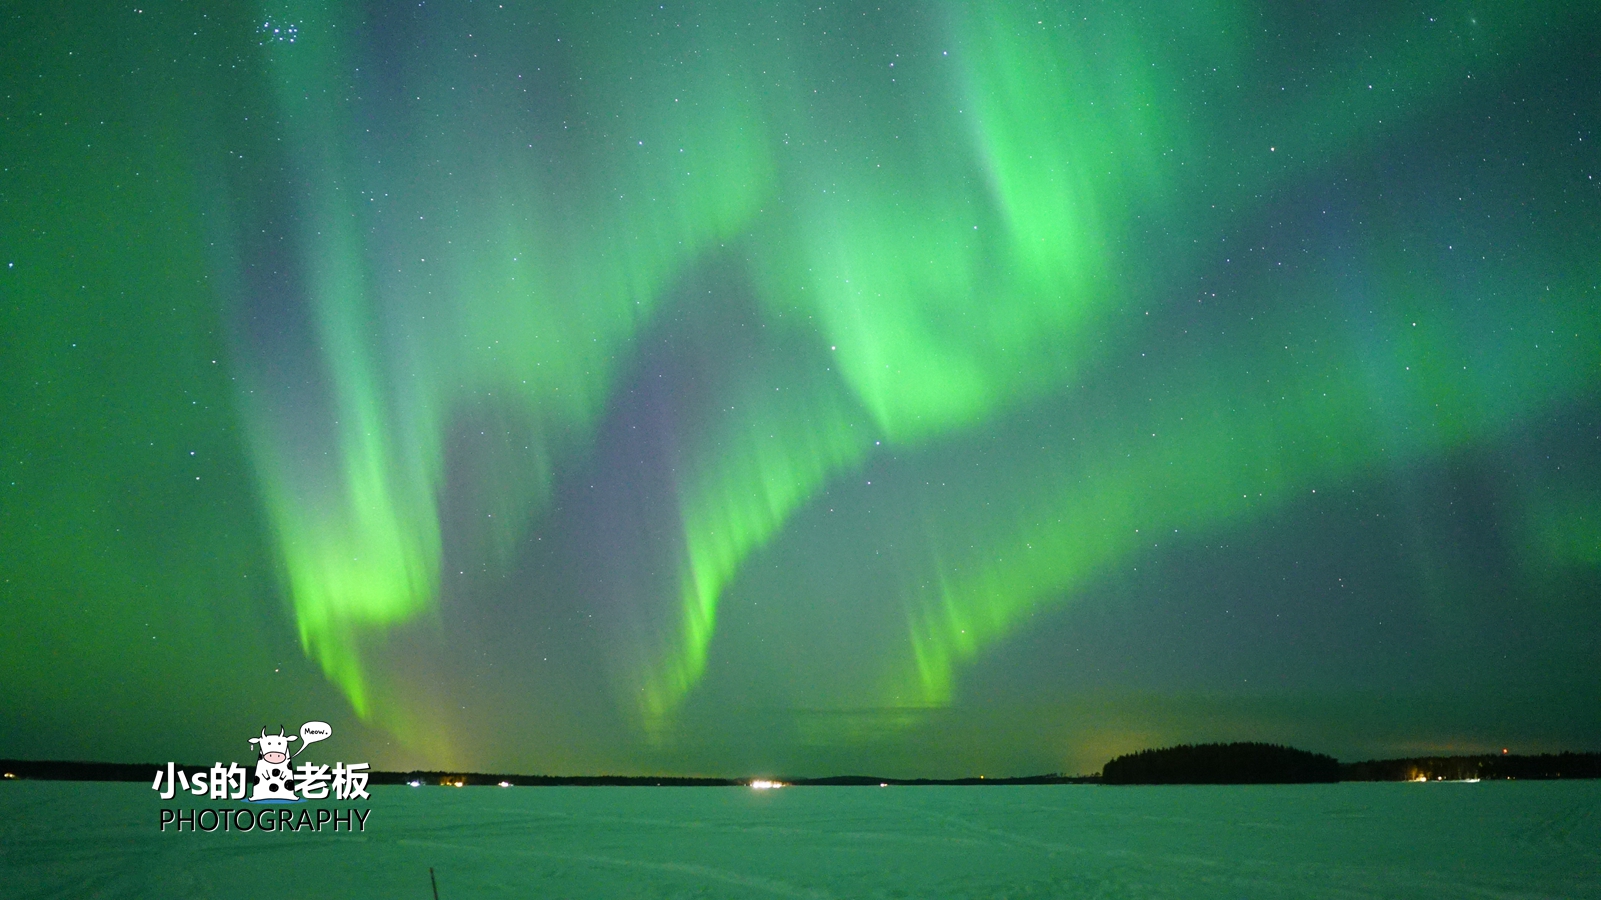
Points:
point(433, 882)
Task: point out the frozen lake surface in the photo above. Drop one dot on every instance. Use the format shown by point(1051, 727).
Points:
point(1494, 839)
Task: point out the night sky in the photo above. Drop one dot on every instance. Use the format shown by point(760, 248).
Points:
point(914, 389)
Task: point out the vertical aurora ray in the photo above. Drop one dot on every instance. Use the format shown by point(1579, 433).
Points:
point(1233, 447)
point(1071, 129)
point(924, 269)
point(947, 220)
point(786, 429)
point(408, 321)
point(357, 527)
point(631, 387)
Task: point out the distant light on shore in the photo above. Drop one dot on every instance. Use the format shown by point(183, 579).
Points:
point(762, 784)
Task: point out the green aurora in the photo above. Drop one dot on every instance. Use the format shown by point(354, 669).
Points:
point(745, 387)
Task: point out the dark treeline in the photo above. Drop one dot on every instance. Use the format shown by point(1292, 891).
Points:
point(468, 779)
point(54, 770)
point(1240, 763)
point(869, 780)
point(1250, 763)
point(62, 770)
point(1489, 766)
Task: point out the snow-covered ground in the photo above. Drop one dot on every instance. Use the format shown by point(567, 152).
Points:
point(1522, 839)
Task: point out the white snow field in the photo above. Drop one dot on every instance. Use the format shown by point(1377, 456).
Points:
point(1486, 840)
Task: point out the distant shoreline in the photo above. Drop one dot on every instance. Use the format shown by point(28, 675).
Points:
point(1484, 767)
point(61, 770)
point(1251, 762)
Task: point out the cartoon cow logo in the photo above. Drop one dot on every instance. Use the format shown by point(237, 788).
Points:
point(273, 773)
